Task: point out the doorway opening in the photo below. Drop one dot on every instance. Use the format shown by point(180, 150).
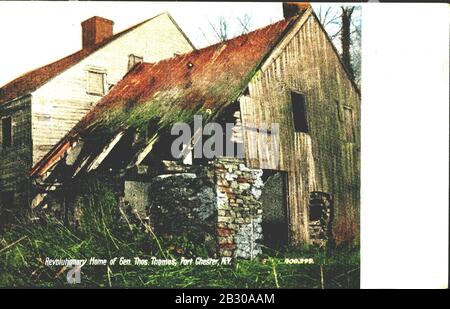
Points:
point(274, 205)
point(320, 217)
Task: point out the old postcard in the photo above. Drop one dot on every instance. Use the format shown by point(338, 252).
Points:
point(181, 145)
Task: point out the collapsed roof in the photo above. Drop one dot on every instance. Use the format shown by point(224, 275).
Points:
point(200, 82)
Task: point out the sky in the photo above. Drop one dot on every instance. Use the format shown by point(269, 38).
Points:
point(36, 33)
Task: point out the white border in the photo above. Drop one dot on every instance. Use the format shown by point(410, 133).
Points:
point(405, 146)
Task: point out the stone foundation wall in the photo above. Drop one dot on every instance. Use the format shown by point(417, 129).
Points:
point(238, 190)
point(216, 205)
point(184, 204)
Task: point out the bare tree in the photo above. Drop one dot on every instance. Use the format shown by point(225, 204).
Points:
point(355, 47)
point(220, 29)
point(245, 22)
point(346, 19)
point(329, 17)
point(344, 29)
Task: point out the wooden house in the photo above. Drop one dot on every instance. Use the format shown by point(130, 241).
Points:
point(38, 108)
point(287, 73)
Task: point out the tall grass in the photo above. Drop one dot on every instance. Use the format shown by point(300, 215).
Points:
point(106, 233)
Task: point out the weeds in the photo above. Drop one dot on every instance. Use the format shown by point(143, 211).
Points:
point(106, 234)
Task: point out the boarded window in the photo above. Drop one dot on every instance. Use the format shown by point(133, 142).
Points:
point(133, 60)
point(6, 132)
point(96, 83)
point(299, 112)
point(349, 124)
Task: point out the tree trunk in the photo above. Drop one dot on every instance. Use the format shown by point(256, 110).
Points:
point(345, 38)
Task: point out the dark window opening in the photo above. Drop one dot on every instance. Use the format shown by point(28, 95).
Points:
point(299, 112)
point(6, 132)
point(320, 217)
point(339, 110)
point(349, 124)
point(315, 212)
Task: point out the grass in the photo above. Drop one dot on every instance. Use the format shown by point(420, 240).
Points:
point(106, 235)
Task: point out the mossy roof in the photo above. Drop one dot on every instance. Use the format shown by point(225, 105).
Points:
point(202, 82)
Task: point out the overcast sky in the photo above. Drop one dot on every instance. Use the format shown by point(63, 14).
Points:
point(36, 33)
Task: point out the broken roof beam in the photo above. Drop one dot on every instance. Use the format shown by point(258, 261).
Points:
point(104, 153)
point(141, 155)
point(81, 165)
point(38, 200)
point(55, 155)
point(194, 140)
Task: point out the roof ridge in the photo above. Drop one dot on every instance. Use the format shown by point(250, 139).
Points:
point(236, 38)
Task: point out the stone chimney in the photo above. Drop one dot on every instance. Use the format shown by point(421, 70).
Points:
point(95, 30)
point(291, 9)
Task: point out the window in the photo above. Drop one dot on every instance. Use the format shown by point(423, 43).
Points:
point(299, 112)
point(96, 82)
point(349, 124)
point(6, 132)
point(133, 60)
point(339, 110)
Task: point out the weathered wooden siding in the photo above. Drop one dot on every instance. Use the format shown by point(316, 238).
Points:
point(62, 102)
point(15, 161)
point(321, 159)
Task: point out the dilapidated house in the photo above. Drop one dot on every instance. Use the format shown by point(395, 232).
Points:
point(298, 184)
point(38, 108)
